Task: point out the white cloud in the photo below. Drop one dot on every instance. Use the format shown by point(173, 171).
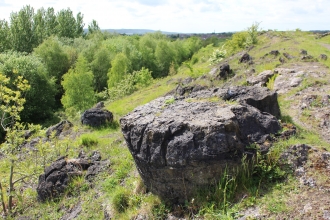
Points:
point(190, 15)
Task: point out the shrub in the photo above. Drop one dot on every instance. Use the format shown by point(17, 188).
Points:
point(120, 201)
point(217, 55)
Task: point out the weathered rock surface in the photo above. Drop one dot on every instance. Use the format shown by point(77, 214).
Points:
point(57, 176)
point(288, 56)
point(261, 79)
point(246, 58)
point(221, 72)
point(259, 97)
point(96, 117)
point(323, 57)
point(178, 147)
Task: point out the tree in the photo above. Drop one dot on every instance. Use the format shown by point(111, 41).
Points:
point(21, 28)
point(120, 66)
point(100, 67)
point(11, 104)
point(4, 36)
point(66, 24)
point(56, 61)
point(93, 27)
point(79, 25)
point(39, 26)
point(165, 56)
point(78, 88)
point(40, 99)
point(50, 22)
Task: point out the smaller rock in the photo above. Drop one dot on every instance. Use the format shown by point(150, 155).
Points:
point(325, 156)
point(261, 79)
point(288, 56)
point(274, 52)
point(323, 57)
point(303, 52)
point(186, 81)
point(308, 181)
point(57, 176)
point(224, 71)
point(73, 213)
point(306, 57)
point(245, 58)
point(60, 129)
point(296, 156)
point(282, 60)
point(96, 117)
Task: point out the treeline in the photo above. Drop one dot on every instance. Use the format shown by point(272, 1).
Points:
point(27, 29)
point(67, 67)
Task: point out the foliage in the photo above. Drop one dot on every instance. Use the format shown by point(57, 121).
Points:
point(271, 81)
point(142, 78)
point(217, 55)
point(4, 36)
point(120, 66)
point(120, 200)
point(100, 66)
point(27, 29)
point(37, 107)
point(78, 88)
point(88, 140)
point(244, 39)
point(93, 27)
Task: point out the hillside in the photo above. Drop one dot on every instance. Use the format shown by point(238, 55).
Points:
point(291, 65)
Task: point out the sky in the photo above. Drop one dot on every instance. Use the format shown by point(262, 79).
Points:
point(189, 16)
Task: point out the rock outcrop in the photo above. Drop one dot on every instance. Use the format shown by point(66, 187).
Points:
point(261, 79)
point(259, 97)
point(246, 58)
point(62, 128)
point(183, 145)
point(97, 116)
point(57, 176)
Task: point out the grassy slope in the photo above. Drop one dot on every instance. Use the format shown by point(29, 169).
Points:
point(121, 186)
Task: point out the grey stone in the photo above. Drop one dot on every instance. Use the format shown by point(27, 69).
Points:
point(96, 117)
point(261, 79)
point(60, 129)
point(56, 177)
point(245, 58)
point(182, 146)
point(323, 57)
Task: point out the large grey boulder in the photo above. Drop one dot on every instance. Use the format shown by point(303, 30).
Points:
point(181, 145)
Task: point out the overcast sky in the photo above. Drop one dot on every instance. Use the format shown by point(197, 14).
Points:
point(190, 16)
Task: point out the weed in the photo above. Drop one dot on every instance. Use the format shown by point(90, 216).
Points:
point(169, 101)
point(271, 82)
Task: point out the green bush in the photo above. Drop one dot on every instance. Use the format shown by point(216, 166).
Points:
point(120, 200)
point(142, 78)
point(217, 56)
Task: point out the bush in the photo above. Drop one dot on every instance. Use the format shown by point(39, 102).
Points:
point(217, 56)
point(142, 78)
point(120, 201)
